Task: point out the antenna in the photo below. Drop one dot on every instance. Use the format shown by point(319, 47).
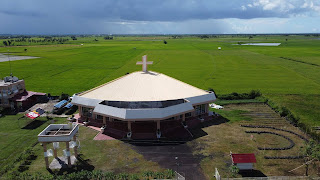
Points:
point(9, 64)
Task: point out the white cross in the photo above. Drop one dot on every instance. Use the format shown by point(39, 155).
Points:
point(144, 63)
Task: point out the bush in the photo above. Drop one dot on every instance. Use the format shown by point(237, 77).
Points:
point(63, 96)
point(123, 176)
point(293, 119)
point(236, 96)
point(95, 174)
point(169, 174)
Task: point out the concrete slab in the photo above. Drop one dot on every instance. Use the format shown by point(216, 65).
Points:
point(4, 57)
point(61, 162)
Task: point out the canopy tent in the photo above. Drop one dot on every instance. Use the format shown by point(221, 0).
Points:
point(60, 104)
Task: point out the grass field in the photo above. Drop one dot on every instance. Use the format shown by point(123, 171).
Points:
point(16, 137)
point(71, 68)
point(211, 149)
point(288, 74)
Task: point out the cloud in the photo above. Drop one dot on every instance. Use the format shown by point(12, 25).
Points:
point(145, 16)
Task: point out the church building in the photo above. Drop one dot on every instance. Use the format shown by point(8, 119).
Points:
point(143, 97)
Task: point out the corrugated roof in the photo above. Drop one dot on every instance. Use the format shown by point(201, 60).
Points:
point(243, 158)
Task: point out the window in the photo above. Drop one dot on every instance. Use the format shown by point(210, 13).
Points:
point(188, 114)
point(87, 111)
point(200, 109)
point(99, 116)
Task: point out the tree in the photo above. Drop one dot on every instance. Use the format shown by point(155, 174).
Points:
point(234, 170)
point(5, 43)
point(108, 37)
point(164, 41)
point(73, 38)
point(311, 152)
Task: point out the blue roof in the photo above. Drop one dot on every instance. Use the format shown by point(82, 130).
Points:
point(69, 105)
point(60, 104)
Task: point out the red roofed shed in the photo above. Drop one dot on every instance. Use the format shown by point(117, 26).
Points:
point(243, 161)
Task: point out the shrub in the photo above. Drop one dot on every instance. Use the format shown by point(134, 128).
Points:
point(169, 174)
point(236, 96)
point(64, 96)
point(234, 170)
point(284, 111)
point(123, 176)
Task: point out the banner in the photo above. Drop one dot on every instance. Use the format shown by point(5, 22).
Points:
point(33, 115)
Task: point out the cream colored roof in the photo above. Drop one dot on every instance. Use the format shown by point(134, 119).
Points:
point(141, 86)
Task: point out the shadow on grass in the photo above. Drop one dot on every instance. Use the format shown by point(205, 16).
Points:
point(81, 164)
point(34, 124)
point(199, 132)
point(252, 173)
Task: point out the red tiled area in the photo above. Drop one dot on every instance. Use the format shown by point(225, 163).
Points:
point(102, 137)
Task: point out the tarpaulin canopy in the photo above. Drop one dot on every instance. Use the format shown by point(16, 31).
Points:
point(35, 114)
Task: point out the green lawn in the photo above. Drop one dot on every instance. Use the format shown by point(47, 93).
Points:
point(15, 138)
point(287, 74)
point(71, 68)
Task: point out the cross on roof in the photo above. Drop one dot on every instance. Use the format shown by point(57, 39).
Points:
point(144, 63)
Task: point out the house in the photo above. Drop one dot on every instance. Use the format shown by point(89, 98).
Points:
point(14, 95)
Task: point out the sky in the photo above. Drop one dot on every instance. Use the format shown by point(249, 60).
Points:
point(159, 16)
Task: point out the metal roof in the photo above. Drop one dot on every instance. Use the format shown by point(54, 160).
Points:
point(144, 86)
point(243, 158)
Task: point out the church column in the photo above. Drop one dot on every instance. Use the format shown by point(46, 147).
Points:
point(68, 154)
point(104, 120)
point(207, 108)
point(129, 126)
point(44, 144)
point(80, 110)
point(158, 124)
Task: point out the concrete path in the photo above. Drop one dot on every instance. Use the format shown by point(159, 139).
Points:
point(61, 162)
point(4, 57)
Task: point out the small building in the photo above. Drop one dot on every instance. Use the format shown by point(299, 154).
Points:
point(14, 95)
point(243, 161)
point(55, 133)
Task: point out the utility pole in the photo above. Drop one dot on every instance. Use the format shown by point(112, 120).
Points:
point(9, 64)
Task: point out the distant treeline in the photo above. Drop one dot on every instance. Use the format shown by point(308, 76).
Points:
point(173, 36)
point(48, 39)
